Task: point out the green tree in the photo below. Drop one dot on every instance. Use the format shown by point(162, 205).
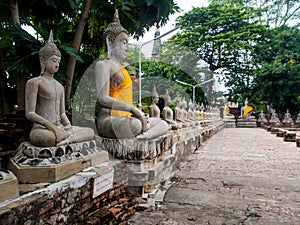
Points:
point(223, 35)
point(66, 19)
point(277, 79)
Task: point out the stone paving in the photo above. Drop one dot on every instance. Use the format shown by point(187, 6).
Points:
point(240, 176)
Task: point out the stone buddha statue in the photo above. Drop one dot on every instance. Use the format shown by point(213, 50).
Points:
point(298, 119)
point(274, 119)
point(168, 113)
point(154, 110)
point(197, 111)
point(118, 117)
point(185, 113)
point(262, 118)
point(183, 107)
point(191, 115)
point(45, 105)
point(288, 121)
point(178, 111)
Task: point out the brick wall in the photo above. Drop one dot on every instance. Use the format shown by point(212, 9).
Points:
point(62, 203)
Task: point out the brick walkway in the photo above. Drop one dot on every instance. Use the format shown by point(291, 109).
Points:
point(240, 176)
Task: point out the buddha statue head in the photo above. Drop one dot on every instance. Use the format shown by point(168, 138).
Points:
point(155, 96)
point(47, 51)
point(111, 33)
point(167, 98)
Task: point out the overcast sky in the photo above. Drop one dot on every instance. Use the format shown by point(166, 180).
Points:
point(185, 6)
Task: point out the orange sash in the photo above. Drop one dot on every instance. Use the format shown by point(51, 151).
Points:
point(122, 92)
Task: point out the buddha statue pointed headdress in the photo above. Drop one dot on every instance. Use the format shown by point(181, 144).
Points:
point(47, 51)
point(154, 92)
point(167, 96)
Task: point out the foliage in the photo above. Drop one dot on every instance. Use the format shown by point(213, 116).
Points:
point(20, 49)
point(223, 35)
point(277, 80)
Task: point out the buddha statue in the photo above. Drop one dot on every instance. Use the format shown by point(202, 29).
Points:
point(168, 113)
point(274, 119)
point(288, 121)
point(154, 110)
point(178, 111)
point(197, 111)
point(183, 107)
point(262, 118)
point(45, 105)
point(298, 119)
point(246, 109)
point(191, 111)
point(185, 113)
point(118, 118)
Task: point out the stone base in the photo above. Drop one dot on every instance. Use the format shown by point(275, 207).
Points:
point(9, 187)
point(35, 170)
point(298, 140)
point(247, 121)
point(290, 136)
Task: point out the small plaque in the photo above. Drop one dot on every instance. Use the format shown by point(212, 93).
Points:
point(103, 183)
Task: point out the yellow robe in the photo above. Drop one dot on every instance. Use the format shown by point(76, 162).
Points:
point(247, 110)
point(122, 92)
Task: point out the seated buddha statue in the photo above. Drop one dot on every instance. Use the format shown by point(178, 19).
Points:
point(118, 118)
point(154, 110)
point(168, 113)
point(45, 104)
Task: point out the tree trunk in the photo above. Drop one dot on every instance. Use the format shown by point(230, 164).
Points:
point(76, 44)
point(14, 10)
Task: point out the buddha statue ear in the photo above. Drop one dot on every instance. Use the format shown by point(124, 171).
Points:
point(42, 65)
point(109, 47)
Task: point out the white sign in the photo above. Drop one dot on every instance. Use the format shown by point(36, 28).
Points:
point(103, 183)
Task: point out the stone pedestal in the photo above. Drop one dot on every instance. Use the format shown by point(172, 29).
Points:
point(64, 161)
point(229, 121)
point(9, 187)
point(246, 121)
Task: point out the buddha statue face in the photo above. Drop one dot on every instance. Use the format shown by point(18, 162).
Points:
point(119, 47)
point(52, 64)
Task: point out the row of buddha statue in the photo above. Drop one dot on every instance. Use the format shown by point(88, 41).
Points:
point(287, 120)
point(185, 114)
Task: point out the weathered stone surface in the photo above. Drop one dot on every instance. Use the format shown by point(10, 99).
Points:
point(9, 187)
point(240, 176)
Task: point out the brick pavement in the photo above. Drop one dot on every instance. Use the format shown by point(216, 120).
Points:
point(240, 176)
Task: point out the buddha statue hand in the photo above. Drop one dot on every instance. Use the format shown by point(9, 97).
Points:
point(60, 135)
point(141, 116)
